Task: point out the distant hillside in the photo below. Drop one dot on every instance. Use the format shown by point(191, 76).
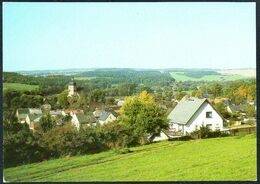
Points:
point(242, 72)
point(212, 75)
point(146, 77)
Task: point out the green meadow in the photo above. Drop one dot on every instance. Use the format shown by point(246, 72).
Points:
point(221, 159)
point(19, 87)
point(84, 78)
point(180, 76)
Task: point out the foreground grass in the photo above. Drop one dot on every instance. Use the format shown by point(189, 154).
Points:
point(178, 76)
point(230, 158)
point(19, 87)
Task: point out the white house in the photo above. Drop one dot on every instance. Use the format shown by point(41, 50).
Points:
point(192, 113)
point(21, 114)
point(163, 136)
point(32, 119)
point(35, 111)
point(120, 103)
point(106, 117)
point(79, 120)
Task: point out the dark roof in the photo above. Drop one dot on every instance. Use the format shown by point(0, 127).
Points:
point(35, 117)
point(22, 116)
point(114, 113)
point(86, 118)
point(104, 115)
point(237, 108)
point(98, 112)
point(23, 111)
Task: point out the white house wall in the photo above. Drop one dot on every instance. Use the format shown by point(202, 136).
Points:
point(161, 137)
point(200, 119)
point(75, 121)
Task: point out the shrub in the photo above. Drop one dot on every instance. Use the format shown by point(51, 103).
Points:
point(212, 134)
point(205, 132)
point(123, 151)
point(117, 136)
point(183, 138)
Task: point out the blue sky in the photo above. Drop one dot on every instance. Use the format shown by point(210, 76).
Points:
point(39, 36)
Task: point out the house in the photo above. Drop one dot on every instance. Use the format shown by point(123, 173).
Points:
point(35, 111)
point(77, 111)
point(55, 113)
point(32, 119)
point(70, 112)
point(120, 103)
point(191, 113)
point(231, 108)
point(221, 100)
point(106, 117)
point(98, 112)
point(21, 114)
point(79, 120)
point(250, 102)
point(46, 107)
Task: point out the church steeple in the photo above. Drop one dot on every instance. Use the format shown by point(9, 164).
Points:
point(72, 87)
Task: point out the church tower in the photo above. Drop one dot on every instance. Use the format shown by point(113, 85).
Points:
point(72, 87)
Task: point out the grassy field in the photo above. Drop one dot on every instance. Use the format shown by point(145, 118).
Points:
point(19, 87)
point(84, 78)
point(179, 76)
point(229, 158)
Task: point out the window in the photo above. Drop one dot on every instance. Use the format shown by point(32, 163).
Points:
point(208, 114)
point(209, 125)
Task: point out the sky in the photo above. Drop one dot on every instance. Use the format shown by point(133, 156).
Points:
point(40, 36)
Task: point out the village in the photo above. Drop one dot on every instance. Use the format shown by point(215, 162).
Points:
point(129, 92)
point(189, 114)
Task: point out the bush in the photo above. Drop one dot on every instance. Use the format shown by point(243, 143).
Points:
point(66, 140)
point(123, 151)
point(251, 122)
point(19, 145)
point(205, 132)
point(183, 138)
point(117, 136)
point(212, 134)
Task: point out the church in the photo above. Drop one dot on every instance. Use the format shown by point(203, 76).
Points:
point(72, 89)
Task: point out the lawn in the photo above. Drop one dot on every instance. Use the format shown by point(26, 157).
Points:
point(19, 87)
point(229, 158)
point(179, 76)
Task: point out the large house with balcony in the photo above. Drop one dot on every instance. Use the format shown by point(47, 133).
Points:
point(191, 113)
